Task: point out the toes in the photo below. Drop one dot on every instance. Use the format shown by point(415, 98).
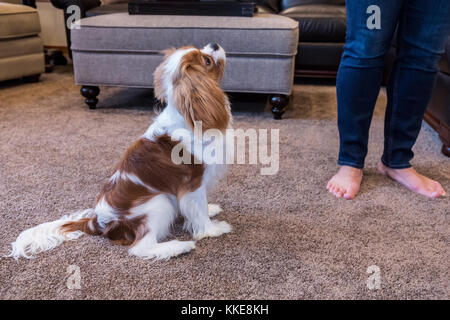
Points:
point(341, 192)
point(350, 194)
point(439, 188)
point(335, 190)
point(330, 188)
point(435, 190)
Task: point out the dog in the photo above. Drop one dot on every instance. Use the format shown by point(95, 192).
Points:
point(139, 203)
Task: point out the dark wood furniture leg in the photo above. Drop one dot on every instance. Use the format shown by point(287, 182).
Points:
point(442, 129)
point(279, 103)
point(446, 149)
point(31, 79)
point(90, 93)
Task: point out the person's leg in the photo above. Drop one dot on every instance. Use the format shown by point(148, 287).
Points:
point(358, 84)
point(423, 28)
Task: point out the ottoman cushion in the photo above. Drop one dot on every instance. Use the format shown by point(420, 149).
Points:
point(18, 21)
point(121, 49)
point(264, 34)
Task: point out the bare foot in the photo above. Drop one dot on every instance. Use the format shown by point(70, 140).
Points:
point(413, 181)
point(345, 182)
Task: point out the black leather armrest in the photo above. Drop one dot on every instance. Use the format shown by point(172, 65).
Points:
point(264, 9)
point(84, 5)
point(444, 63)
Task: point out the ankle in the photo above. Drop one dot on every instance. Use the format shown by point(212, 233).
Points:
point(350, 170)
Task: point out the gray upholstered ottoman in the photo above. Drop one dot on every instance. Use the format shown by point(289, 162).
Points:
point(124, 50)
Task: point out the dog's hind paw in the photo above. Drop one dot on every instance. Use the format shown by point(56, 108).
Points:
point(216, 229)
point(214, 209)
point(162, 251)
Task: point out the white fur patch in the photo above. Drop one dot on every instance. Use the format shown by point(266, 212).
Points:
point(105, 213)
point(161, 251)
point(174, 60)
point(214, 209)
point(216, 54)
point(46, 236)
point(215, 229)
point(136, 180)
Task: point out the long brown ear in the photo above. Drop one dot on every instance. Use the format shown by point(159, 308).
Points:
point(158, 83)
point(198, 97)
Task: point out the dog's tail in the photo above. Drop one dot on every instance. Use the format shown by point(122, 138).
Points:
point(49, 235)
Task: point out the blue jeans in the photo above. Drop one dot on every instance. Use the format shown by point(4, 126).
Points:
point(423, 27)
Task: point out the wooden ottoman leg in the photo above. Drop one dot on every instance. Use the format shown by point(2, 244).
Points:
point(33, 78)
point(90, 93)
point(279, 103)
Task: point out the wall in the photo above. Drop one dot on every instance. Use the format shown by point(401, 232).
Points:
point(52, 25)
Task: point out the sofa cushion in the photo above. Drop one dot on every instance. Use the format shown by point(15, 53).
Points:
point(319, 23)
point(120, 32)
point(319, 55)
point(18, 21)
point(21, 66)
point(20, 46)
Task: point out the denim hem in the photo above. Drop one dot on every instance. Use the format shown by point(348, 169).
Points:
point(396, 166)
point(350, 164)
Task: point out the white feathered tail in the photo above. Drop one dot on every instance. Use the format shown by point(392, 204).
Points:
point(46, 236)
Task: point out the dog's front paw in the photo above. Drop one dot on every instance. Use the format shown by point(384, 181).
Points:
point(216, 229)
point(214, 209)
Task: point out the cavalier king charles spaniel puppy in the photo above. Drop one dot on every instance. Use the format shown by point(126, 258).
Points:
point(139, 203)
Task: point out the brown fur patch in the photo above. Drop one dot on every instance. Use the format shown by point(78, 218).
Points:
point(126, 231)
point(151, 161)
point(82, 225)
point(197, 92)
point(123, 195)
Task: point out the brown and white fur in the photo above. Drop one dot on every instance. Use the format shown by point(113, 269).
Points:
point(138, 204)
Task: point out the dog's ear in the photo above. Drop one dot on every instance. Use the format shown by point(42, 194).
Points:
point(199, 97)
point(158, 80)
point(220, 67)
point(158, 83)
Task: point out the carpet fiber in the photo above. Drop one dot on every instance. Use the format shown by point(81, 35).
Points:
point(291, 239)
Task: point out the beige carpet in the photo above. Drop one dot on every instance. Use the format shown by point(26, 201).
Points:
point(291, 239)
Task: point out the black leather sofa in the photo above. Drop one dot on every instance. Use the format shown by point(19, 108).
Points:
point(322, 26)
point(438, 112)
